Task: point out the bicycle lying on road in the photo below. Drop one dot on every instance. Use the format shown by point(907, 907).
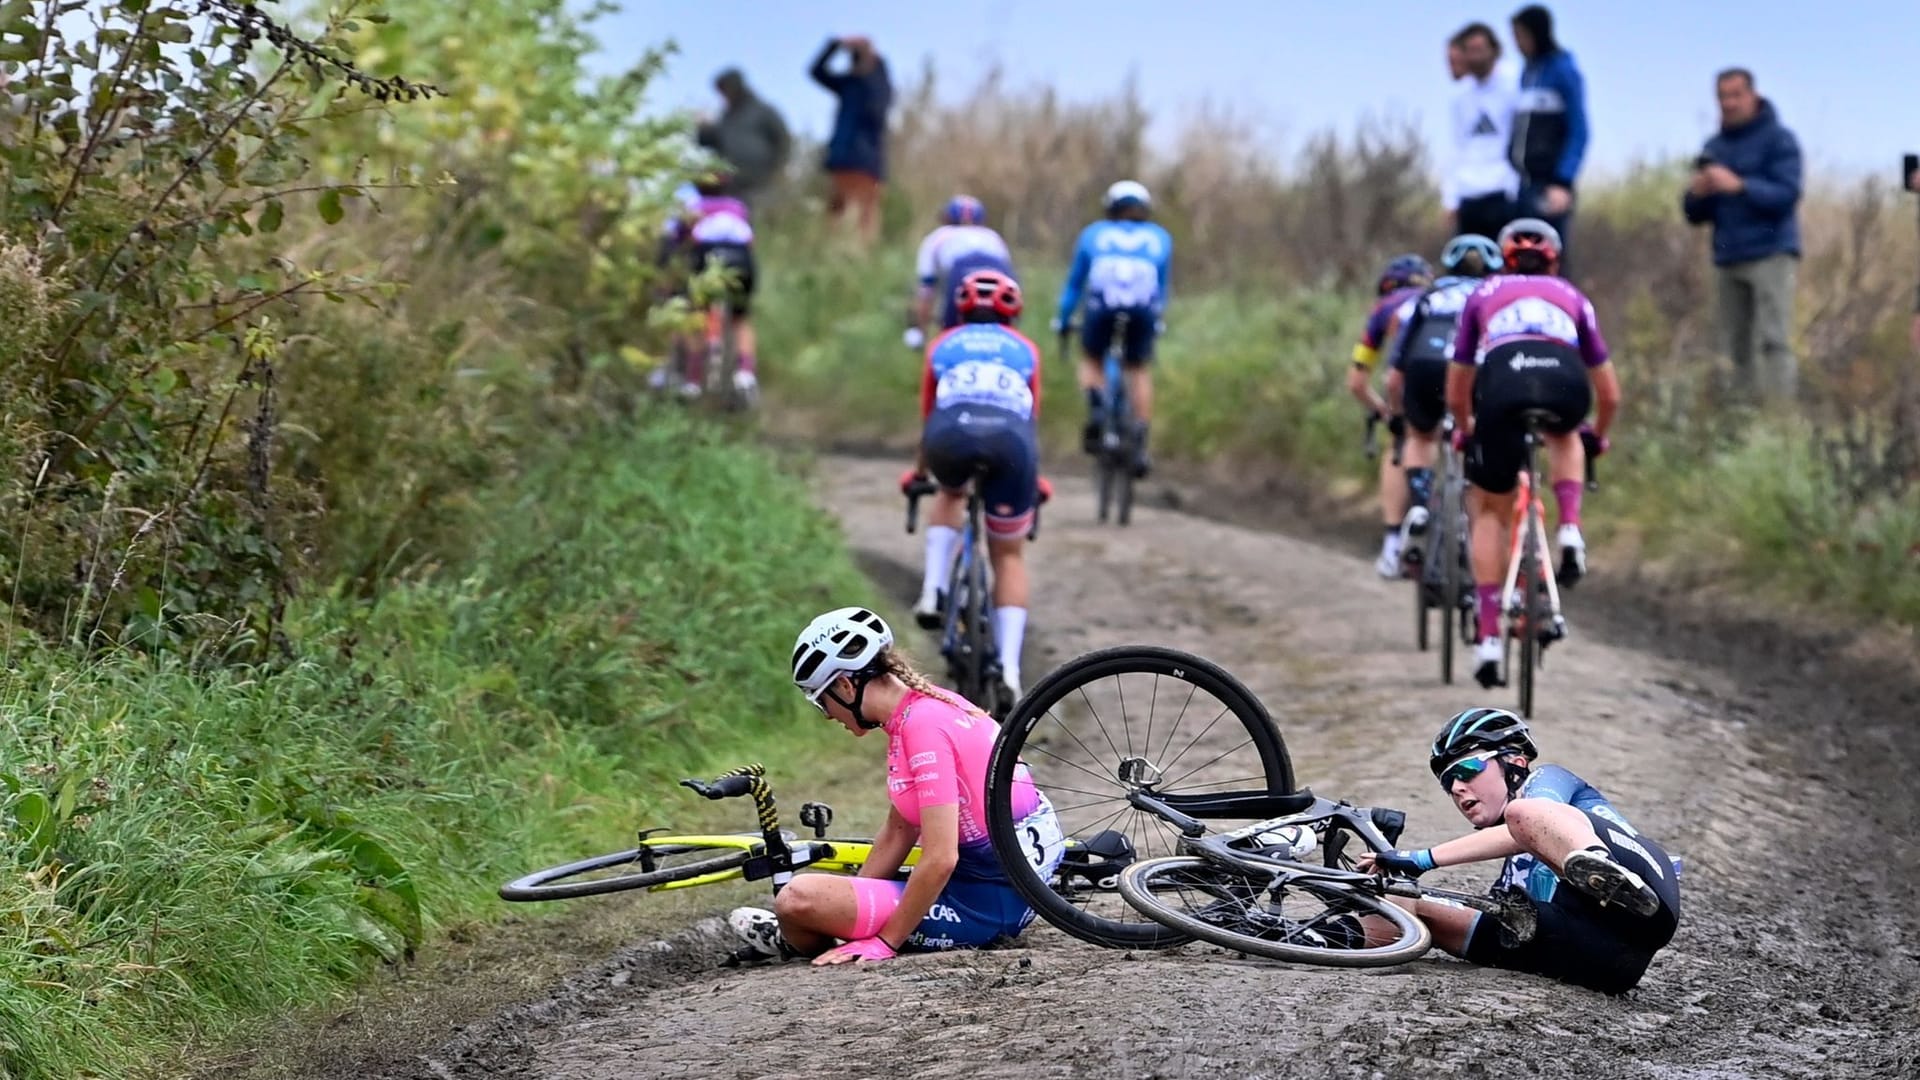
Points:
point(664, 860)
point(1251, 887)
point(966, 618)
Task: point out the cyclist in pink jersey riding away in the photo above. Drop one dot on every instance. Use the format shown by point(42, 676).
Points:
point(1527, 341)
point(937, 749)
point(713, 230)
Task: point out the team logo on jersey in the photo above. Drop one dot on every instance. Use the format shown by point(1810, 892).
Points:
point(1533, 316)
point(1523, 362)
point(1484, 125)
point(1143, 241)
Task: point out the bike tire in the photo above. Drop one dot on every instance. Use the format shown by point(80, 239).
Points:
point(963, 661)
point(981, 644)
point(1239, 906)
point(1449, 543)
point(1530, 555)
point(1103, 487)
point(1420, 607)
point(1083, 671)
point(566, 881)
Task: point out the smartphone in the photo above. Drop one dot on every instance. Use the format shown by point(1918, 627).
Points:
point(1908, 166)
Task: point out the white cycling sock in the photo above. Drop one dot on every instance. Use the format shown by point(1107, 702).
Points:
point(1010, 633)
point(940, 542)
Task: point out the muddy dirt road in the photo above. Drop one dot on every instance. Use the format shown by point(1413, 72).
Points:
point(1798, 954)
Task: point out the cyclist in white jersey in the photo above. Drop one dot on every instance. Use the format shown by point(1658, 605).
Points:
point(962, 244)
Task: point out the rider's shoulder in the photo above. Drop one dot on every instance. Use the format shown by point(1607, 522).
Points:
point(1552, 782)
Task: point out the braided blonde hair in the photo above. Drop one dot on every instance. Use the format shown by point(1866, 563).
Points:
point(894, 662)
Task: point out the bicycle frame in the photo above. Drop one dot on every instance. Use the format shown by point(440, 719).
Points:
point(1530, 525)
point(778, 857)
point(1377, 827)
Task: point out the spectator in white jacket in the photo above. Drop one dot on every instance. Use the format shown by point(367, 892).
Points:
point(1480, 183)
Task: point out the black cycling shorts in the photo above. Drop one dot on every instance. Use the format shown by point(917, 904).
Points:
point(737, 259)
point(1580, 942)
point(1423, 393)
point(1515, 378)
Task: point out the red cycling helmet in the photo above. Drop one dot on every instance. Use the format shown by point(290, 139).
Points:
point(988, 289)
point(1530, 234)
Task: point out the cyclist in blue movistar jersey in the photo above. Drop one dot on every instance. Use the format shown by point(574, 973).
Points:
point(961, 244)
point(1620, 903)
point(980, 404)
point(1122, 265)
point(1400, 282)
point(1417, 370)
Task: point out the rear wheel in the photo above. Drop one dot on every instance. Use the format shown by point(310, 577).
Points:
point(1132, 719)
point(646, 867)
point(1297, 919)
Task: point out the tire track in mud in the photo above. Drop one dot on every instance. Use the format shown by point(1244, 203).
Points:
point(1795, 957)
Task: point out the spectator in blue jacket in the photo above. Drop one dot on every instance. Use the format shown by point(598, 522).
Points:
point(1550, 124)
point(1746, 183)
point(857, 149)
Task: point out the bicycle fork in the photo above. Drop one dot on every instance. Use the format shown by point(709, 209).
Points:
point(1533, 529)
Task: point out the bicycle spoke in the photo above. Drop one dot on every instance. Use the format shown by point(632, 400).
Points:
point(1043, 750)
point(1120, 688)
point(1216, 760)
point(1224, 711)
point(1153, 700)
point(1175, 726)
point(1099, 723)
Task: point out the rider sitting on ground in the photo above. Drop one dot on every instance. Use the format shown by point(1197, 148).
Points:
point(1123, 265)
point(713, 230)
point(1607, 897)
point(937, 749)
point(962, 244)
point(1400, 283)
point(1527, 341)
point(980, 402)
point(1417, 371)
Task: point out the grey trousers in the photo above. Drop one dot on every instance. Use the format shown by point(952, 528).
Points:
point(1756, 318)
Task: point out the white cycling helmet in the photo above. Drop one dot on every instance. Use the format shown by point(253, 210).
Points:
point(845, 641)
point(1128, 191)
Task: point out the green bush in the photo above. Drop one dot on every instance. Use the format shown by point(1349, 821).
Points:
point(185, 848)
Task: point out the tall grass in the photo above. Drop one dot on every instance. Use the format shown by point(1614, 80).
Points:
point(1809, 503)
point(189, 847)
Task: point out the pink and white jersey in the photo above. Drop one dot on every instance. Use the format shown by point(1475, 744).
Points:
point(1526, 307)
point(937, 756)
point(713, 219)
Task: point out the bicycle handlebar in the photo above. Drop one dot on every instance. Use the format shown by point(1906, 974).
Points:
point(726, 787)
point(1372, 439)
point(913, 492)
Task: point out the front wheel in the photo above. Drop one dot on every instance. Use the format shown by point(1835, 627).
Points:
point(1298, 919)
point(649, 866)
point(1137, 718)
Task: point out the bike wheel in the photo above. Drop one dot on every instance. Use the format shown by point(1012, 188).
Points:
point(648, 866)
point(1535, 614)
point(1421, 596)
point(1123, 500)
point(980, 641)
point(1449, 548)
point(1103, 485)
point(957, 641)
point(1297, 919)
point(1132, 718)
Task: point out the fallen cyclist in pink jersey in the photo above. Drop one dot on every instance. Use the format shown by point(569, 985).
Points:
point(937, 748)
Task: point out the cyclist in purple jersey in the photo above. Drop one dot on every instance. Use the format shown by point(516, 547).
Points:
point(937, 749)
point(1621, 900)
point(1527, 341)
point(1401, 282)
point(714, 231)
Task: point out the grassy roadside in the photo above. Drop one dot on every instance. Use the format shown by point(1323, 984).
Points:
point(1250, 382)
point(194, 845)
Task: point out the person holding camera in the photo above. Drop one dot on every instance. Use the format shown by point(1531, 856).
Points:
point(1746, 183)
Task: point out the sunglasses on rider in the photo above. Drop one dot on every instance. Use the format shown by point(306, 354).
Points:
point(1467, 768)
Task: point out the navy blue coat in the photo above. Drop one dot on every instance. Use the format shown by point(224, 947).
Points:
point(859, 139)
point(1761, 220)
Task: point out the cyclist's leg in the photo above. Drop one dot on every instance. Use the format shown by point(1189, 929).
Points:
point(1393, 513)
point(1096, 333)
point(1568, 392)
point(950, 456)
point(740, 303)
point(815, 910)
point(1137, 369)
point(1494, 457)
point(1555, 833)
point(1451, 926)
point(1011, 493)
point(1422, 402)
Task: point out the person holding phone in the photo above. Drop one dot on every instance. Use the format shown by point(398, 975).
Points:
point(1746, 184)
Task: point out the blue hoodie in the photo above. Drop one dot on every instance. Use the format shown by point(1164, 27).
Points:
point(1550, 124)
point(1759, 221)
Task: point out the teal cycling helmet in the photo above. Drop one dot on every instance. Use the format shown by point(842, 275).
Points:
point(1471, 255)
point(1480, 729)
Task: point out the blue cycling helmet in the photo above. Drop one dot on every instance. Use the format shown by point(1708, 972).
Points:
point(1458, 255)
point(1404, 271)
point(965, 210)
